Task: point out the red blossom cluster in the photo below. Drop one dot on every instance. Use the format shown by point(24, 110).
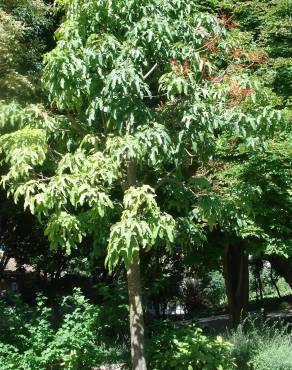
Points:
point(238, 93)
point(253, 57)
point(210, 44)
point(173, 63)
point(214, 79)
point(184, 68)
point(225, 19)
point(236, 52)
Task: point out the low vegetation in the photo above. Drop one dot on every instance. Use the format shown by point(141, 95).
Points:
point(261, 345)
point(70, 335)
point(187, 348)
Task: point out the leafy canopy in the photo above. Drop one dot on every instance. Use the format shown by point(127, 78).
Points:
point(150, 85)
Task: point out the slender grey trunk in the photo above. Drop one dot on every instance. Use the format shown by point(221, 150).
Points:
point(136, 317)
point(261, 289)
point(135, 299)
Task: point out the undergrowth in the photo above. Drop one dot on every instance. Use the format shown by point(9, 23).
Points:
point(261, 345)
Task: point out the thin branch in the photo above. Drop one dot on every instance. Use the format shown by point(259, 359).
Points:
point(58, 153)
point(151, 70)
point(44, 178)
point(205, 46)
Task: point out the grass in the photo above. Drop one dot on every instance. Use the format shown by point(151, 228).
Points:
point(261, 345)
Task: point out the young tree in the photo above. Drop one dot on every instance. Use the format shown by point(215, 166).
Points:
point(147, 90)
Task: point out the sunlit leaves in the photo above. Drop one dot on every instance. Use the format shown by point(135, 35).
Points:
point(24, 150)
point(142, 224)
point(151, 144)
point(23, 27)
point(64, 230)
point(102, 70)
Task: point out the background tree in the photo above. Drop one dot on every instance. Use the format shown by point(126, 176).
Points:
point(264, 54)
point(26, 29)
point(26, 33)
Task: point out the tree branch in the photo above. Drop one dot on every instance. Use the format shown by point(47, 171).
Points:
point(150, 71)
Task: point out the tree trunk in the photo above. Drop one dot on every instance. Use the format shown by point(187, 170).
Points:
point(261, 289)
point(235, 266)
point(136, 317)
point(282, 266)
point(4, 262)
point(256, 288)
point(156, 305)
point(135, 298)
point(273, 281)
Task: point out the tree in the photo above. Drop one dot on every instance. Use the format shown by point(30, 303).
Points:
point(266, 227)
point(269, 23)
point(254, 188)
point(145, 91)
point(25, 34)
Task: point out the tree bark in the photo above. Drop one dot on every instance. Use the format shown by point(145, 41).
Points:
point(135, 298)
point(4, 262)
point(136, 317)
point(256, 289)
point(273, 281)
point(235, 267)
point(261, 289)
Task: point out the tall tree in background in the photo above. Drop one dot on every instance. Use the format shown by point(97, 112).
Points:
point(265, 228)
point(269, 24)
point(146, 90)
point(26, 32)
point(26, 29)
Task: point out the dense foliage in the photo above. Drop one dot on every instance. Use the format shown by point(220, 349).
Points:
point(67, 339)
point(188, 348)
point(120, 117)
point(25, 29)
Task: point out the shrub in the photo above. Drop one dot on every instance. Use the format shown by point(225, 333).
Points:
point(214, 288)
point(187, 348)
point(41, 340)
point(272, 347)
point(115, 318)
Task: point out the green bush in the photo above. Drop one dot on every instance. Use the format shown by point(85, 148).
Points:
point(259, 345)
point(115, 318)
point(214, 288)
point(187, 348)
point(38, 339)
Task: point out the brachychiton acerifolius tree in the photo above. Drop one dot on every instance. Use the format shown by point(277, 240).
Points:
point(139, 94)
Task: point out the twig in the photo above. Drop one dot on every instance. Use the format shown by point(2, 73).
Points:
point(149, 72)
